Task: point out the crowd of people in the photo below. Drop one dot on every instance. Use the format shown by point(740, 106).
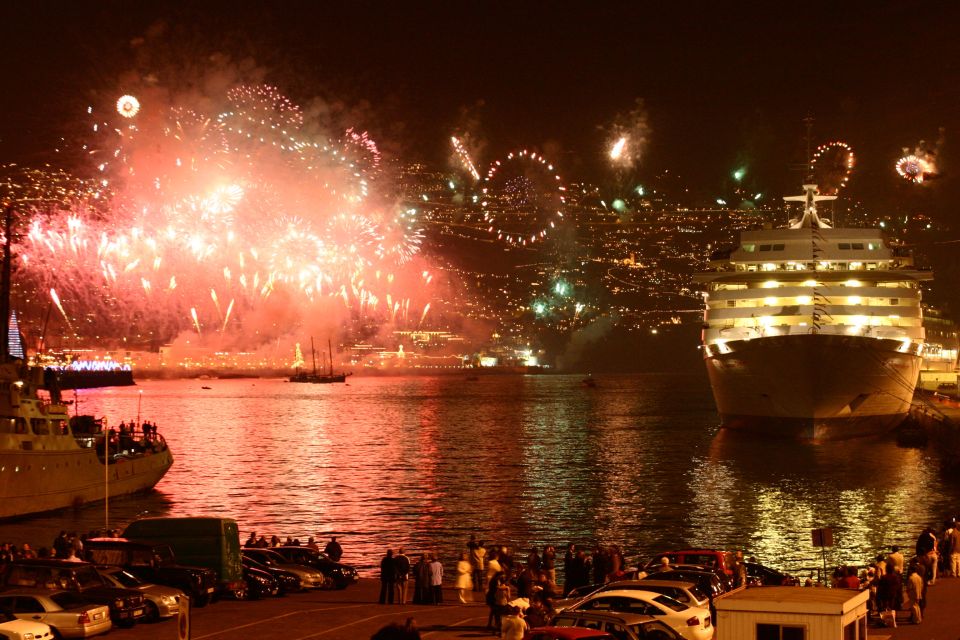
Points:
point(900, 584)
point(66, 546)
point(333, 550)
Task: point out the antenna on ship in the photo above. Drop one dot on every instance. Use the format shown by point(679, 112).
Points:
point(809, 219)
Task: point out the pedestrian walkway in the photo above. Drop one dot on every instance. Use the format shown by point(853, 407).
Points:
point(940, 621)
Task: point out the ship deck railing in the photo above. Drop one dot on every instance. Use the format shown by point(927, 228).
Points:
point(123, 446)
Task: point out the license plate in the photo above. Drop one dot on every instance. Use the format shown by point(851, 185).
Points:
point(137, 612)
point(97, 616)
point(210, 590)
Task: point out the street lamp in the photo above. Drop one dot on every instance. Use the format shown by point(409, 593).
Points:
point(139, 400)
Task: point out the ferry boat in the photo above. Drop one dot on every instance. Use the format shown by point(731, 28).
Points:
point(811, 331)
point(50, 461)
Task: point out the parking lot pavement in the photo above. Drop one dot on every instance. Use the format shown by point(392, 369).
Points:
point(351, 614)
point(939, 618)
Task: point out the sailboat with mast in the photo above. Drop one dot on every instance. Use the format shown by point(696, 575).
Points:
point(316, 377)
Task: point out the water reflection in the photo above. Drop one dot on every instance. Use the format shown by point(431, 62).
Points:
point(424, 462)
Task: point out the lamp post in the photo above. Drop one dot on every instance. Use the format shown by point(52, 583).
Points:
point(139, 399)
point(106, 479)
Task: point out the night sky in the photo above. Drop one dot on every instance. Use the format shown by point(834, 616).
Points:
point(724, 84)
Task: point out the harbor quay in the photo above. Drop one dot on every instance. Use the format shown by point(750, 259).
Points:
point(353, 614)
point(350, 614)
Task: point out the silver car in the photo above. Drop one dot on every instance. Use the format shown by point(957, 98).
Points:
point(310, 578)
point(160, 601)
point(65, 612)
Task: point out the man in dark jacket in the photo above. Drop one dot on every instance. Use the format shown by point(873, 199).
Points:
point(388, 577)
point(333, 549)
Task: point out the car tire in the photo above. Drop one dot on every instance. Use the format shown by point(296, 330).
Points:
point(200, 601)
point(243, 593)
point(151, 612)
point(56, 634)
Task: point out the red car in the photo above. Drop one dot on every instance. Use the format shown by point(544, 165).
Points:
point(566, 633)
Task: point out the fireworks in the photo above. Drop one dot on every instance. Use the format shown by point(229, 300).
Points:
point(522, 198)
point(195, 209)
point(463, 157)
point(128, 106)
point(627, 138)
point(832, 164)
point(920, 165)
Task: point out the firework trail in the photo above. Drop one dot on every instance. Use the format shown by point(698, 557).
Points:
point(463, 158)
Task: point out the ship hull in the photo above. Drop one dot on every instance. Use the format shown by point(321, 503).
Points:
point(34, 482)
point(813, 386)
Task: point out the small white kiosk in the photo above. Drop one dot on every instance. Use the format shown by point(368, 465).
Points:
point(793, 613)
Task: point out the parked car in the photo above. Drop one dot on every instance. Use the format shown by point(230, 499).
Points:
point(153, 563)
point(160, 602)
point(687, 593)
point(65, 612)
point(566, 633)
point(257, 583)
point(126, 605)
point(707, 581)
point(309, 577)
point(693, 623)
point(286, 582)
point(343, 575)
point(759, 575)
point(213, 543)
point(712, 558)
point(623, 626)
point(13, 628)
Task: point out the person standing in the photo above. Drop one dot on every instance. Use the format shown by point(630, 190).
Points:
point(477, 558)
point(951, 544)
point(421, 581)
point(569, 559)
point(388, 578)
point(927, 553)
point(895, 559)
point(493, 567)
point(333, 549)
point(464, 581)
point(436, 579)
point(513, 627)
point(914, 588)
point(401, 564)
point(550, 563)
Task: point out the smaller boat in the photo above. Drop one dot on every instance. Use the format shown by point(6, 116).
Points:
point(319, 378)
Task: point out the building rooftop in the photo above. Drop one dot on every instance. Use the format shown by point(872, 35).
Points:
point(814, 600)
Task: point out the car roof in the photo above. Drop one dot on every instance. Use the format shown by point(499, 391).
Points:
point(571, 632)
point(50, 562)
point(33, 591)
point(613, 616)
point(655, 583)
point(628, 593)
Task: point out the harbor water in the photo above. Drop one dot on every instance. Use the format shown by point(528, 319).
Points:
point(422, 462)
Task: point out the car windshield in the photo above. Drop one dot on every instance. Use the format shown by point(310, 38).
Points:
point(272, 556)
point(128, 580)
point(68, 600)
point(86, 577)
point(670, 603)
point(698, 593)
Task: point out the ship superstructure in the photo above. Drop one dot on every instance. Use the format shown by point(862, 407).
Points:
point(812, 331)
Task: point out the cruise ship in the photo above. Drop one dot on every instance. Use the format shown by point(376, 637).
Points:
point(813, 332)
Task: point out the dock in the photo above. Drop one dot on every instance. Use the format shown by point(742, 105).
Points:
point(353, 614)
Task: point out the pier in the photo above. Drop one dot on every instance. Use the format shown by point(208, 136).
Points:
point(353, 614)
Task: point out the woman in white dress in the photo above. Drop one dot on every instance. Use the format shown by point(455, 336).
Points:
point(464, 581)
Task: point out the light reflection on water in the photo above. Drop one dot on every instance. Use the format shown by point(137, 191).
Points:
point(423, 462)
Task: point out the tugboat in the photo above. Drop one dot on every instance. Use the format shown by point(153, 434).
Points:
point(50, 461)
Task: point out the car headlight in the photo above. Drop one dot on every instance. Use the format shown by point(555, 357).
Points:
point(168, 599)
point(118, 603)
point(28, 636)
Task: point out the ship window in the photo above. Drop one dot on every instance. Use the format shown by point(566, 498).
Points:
point(21, 425)
point(844, 246)
point(749, 248)
point(857, 246)
point(764, 247)
point(40, 426)
point(894, 301)
point(872, 246)
point(6, 425)
point(731, 303)
point(778, 247)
